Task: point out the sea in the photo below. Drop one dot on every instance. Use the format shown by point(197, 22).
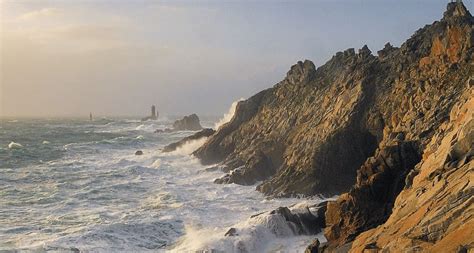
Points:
point(75, 185)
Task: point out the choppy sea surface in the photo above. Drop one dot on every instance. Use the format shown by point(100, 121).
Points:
point(70, 185)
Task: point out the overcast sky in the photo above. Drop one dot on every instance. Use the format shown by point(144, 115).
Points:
point(69, 58)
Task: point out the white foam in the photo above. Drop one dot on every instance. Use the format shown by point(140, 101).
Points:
point(156, 164)
point(189, 147)
point(14, 145)
point(45, 142)
point(265, 232)
point(228, 116)
point(110, 200)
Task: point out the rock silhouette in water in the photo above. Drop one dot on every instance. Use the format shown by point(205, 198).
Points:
point(394, 130)
point(190, 122)
point(187, 123)
point(153, 116)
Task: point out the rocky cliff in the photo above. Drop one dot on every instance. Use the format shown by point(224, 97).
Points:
point(403, 156)
point(393, 131)
point(310, 133)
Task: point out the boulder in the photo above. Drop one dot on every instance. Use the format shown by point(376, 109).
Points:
point(139, 152)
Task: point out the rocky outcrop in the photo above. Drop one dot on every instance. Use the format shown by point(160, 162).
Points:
point(190, 123)
point(299, 219)
point(374, 127)
point(443, 75)
point(198, 135)
point(370, 202)
point(435, 210)
point(310, 133)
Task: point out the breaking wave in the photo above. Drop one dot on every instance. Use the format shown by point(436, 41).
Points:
point(86, 190)
point(227, 116)
point(189, 147)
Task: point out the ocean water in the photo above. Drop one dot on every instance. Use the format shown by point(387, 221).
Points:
point(69, 185)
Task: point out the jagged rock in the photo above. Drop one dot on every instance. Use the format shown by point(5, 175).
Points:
point(373, 199)
point(386, 51)
point(302, 219)
point(231, 232)
point(282, 131)
point(373, 123)
point(201, 134)
point(370, 202)
point(379, 181)
point(139, 152)
point(190, 123)
point(311, 132)
point(435, 213)
point(313, 247)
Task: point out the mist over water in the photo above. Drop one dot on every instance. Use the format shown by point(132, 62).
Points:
point(69, 184)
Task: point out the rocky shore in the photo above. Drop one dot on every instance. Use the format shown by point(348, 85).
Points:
point(392, 134)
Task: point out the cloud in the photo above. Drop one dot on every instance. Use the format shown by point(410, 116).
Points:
point(45, 12)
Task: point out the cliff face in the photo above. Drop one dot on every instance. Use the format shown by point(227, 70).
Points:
point(436, 73)
point(311, 132)
point(434, 213)
point(295, 128)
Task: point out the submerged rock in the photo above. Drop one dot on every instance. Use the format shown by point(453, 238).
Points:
point(166, 130)
point(139, 152)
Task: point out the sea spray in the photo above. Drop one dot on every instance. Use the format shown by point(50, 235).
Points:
point(189, 147)
point(121, 202)
point(228, 116)
point(269, 231)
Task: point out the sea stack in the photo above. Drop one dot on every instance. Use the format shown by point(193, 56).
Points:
point(188, 123)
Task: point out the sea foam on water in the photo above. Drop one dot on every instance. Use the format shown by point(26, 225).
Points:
point(14, 145)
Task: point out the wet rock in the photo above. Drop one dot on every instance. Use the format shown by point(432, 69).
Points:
point(139, 152)
point(231, 232)
point(199, 135)
point(166, 130)
point(313, 247)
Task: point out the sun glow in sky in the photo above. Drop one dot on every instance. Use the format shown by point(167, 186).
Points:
point(69, 58)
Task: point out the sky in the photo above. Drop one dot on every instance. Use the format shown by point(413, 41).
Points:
point(117, 58)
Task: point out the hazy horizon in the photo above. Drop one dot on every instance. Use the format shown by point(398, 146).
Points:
point(64, 58)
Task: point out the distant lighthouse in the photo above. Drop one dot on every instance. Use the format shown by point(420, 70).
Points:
point(154, 114)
